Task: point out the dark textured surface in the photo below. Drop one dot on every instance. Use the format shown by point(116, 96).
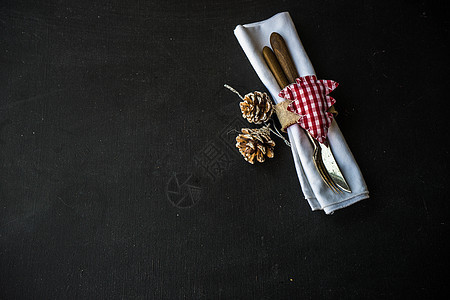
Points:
point(103, 106)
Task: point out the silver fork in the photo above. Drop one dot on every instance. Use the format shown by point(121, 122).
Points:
point(318, 162)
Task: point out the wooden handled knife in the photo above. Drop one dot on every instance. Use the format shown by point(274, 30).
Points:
point(280, 58)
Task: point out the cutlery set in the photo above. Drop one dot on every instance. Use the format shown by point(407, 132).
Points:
point(283, 69)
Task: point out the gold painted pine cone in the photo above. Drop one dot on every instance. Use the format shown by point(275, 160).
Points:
point(256, 107)
point(255, 144)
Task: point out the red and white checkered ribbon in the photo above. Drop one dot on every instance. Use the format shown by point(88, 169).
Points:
point(310, 100)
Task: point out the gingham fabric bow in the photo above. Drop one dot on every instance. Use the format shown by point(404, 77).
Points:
point(310, 100)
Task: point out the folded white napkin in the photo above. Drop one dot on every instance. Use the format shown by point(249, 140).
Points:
point(252, 38)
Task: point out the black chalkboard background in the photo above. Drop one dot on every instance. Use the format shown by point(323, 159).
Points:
point(118, 176)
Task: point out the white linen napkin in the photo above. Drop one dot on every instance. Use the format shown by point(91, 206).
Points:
point(252, 38)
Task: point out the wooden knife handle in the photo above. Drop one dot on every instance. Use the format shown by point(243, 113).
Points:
point(275, 67)
point(282, 53)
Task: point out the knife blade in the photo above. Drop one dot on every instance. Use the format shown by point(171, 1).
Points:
point(287, 65)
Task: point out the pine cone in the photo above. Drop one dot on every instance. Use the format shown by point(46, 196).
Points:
point(255, 143)
point(256, 107)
